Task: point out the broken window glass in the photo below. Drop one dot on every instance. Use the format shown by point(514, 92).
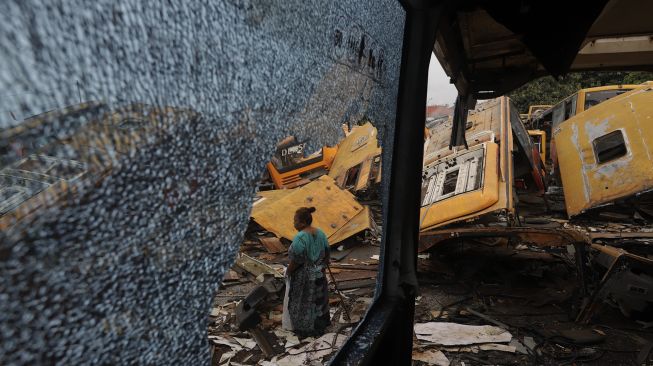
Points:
point(558, 114)
point(132, 139)
point(352, 176)
point(595, 98)
point(564, 110)
point(450, 182)
point(610, 147)
point(570, 107)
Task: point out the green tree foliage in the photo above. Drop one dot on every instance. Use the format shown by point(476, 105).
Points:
point(547, 90)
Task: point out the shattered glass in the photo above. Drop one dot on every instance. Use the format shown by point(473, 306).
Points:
point(131, 140)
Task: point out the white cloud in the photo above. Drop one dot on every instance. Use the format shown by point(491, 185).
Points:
point(439, 90)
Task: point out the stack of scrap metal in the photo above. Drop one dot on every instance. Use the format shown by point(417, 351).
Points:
point(355, 169)
point(577, 182)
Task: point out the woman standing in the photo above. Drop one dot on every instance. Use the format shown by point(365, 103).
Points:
point(306, 304)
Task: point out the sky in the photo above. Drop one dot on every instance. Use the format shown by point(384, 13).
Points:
point(439, 90)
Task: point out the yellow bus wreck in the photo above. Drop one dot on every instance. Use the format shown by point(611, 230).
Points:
point(549, 119)
point(462, 184)
point(605, 152)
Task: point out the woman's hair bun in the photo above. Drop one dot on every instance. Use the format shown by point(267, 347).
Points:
point(311, 209)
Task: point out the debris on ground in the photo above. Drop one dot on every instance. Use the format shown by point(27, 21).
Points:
point(245, 322)
point(313, 352)
point(489, 285)
point(431, 357)
point(252, 304)
point(452, 334)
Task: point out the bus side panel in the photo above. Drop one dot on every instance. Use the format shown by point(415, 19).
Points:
point(594, 173)
point(471, 203)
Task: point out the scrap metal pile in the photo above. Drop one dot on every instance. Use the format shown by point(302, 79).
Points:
point(341, 183)
point(571, 185)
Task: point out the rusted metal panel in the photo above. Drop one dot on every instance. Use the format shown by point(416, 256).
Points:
point(605, 153)
point(539, 138)
point(355, 165)
point(256, 267)
point(628, 281)
point(335, 209)
point(273, 245)
point(489, 129)
point(535, 236)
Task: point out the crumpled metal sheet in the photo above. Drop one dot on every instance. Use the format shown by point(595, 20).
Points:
point(125, 271)
point(358, 148)
point(337, 211)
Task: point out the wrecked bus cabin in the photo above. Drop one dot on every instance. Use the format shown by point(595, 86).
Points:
point(477, 182)
point(355, 163)
point(603, 163)
point(346, 173)
point(604, 151)
point(290, 167)
point(544, 122)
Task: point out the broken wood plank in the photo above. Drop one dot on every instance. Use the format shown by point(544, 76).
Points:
point(486, 318)
point(273, 245)
point(345, 275)
point(255, 267)
point(620, 235)
point(267, 257)
point(348, 285)
point(231, 275)
point(334, 300)
point(370, 267)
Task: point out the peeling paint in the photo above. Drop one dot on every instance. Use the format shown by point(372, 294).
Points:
point(586, 183)
point(595, 130)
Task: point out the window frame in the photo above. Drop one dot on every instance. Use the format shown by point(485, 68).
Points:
point(597, 153)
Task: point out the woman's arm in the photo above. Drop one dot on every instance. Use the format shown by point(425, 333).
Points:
point(292, 266)
point(295, 260)
point(327, 249)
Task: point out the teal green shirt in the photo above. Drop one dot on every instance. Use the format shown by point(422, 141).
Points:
point(310, 244)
